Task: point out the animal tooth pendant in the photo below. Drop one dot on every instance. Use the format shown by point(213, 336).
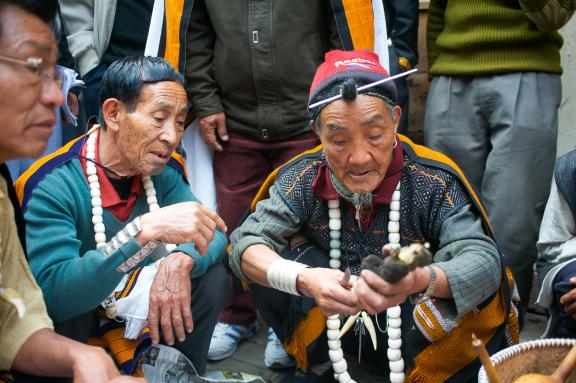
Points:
point(371, 330)
point(14, 298)
point(348, 325)
point(362, 323)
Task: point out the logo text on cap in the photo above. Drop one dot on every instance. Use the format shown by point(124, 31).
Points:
point(358, 61)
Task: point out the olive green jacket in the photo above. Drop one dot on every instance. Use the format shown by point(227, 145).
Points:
point(255, 60)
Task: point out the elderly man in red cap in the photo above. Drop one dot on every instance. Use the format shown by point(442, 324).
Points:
point(366, 188)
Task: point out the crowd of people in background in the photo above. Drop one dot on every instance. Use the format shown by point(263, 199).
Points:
point(104, 245)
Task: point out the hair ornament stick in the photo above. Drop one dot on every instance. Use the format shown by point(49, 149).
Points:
point(379, 82)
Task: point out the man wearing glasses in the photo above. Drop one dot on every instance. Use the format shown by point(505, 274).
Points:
point(29, 94)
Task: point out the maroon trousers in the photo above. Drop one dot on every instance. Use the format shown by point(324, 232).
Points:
point(239, 171)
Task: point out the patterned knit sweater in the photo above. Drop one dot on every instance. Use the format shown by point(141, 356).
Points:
point(435, 208)
point(470, 38)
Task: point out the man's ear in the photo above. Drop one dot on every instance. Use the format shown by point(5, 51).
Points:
point(315, 128)
point(111, 111)
point(397, 116)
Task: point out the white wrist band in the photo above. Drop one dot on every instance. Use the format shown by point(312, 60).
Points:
point(282, 275)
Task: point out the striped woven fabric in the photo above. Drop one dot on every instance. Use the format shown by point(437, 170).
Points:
point(355, 21)
point(127, 353)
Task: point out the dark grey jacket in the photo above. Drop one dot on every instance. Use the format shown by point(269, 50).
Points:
point(255, 60)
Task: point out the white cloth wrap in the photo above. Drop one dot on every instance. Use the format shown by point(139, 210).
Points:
point(282, 275)
point(134, 307)
point(199, 166)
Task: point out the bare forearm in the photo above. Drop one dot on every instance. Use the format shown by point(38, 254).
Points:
point(255, 262)
point(258, 258)
point(321, 284)
point(46, 353)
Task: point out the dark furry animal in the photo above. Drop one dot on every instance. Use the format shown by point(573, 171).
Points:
point(395, 264)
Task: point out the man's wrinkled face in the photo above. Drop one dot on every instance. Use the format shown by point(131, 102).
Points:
point(358, 139)
point(148, 135)
point(27, 101)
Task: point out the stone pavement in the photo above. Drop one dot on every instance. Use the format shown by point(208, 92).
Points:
point(250, 355)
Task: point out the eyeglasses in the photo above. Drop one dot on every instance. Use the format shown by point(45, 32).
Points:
point(35, 66)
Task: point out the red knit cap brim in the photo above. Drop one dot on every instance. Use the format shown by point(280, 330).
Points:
point(361, 66)
point(339, 61)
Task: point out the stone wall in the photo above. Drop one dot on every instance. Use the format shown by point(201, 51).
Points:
point(567, 112)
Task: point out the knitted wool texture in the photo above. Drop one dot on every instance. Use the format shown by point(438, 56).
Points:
point(361, 66)
point(470, 38)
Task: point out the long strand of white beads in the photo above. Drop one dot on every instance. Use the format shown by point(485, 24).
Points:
point(97, 211)
point(335, 352)
point(396, 362)
point(96, 196)
point(153, 202)
point(393, 320)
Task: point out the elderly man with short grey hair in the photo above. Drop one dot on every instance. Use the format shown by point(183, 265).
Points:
point(113, 229)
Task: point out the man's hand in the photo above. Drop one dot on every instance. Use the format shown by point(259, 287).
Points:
point(73, 105)
point(170, 297)
point(93, 365)
point(568, 300)
point(67, 358)
point(376, 295)
point(181, 223)
point(213, 127)
point(128, 379)
point(323, 285)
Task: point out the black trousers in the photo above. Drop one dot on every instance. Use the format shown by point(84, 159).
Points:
point(566, 324)
point(210, 294)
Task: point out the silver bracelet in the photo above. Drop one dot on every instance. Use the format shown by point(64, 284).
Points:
point(145, 251)
point(123, 236)
point(421, 298)
point(282, 275)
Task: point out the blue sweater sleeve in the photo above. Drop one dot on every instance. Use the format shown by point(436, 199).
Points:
point(175, 190)
point(72, 282)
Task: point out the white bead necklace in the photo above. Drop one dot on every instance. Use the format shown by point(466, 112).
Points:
point(94, 184)
point(97, 210)
point(394, 322)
